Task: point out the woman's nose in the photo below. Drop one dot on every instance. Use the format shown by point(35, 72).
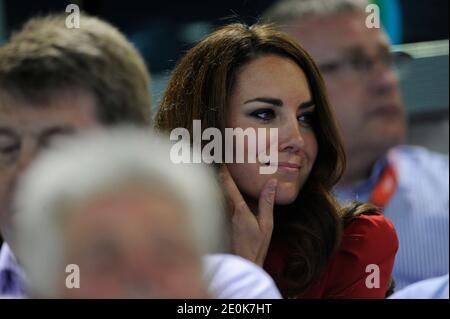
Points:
point(290, 136)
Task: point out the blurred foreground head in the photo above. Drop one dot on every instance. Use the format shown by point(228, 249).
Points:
point(113, 204)
point(55, 81)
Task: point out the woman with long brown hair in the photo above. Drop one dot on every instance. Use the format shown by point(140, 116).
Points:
point(288, 222)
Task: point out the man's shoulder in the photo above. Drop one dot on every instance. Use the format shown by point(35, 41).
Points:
point(12, 278)
point(419, 157)
point(5, 256)
point(419, 165)
point(423, 182)
point(434, 288)
point(233, 277)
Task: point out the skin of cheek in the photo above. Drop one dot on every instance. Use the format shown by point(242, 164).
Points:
point(6, 194)
point(155, 280)
point(181, 282)
point(250, 181)
point(139, 266)
point(94, 286)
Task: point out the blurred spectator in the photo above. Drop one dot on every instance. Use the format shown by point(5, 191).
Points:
point(54, 81)
point(135, 228)
point(138, 227)
point(409, 183)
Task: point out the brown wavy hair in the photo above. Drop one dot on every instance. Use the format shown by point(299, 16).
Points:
point(199, 89)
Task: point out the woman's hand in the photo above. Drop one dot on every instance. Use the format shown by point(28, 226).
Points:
point(250, 234)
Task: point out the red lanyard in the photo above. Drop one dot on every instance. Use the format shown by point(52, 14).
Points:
point(385, 188)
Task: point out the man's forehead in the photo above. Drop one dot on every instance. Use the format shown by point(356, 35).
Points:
point(70, 104)
point(329, 36)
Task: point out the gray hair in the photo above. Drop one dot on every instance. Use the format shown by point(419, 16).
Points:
point(285, 11)
point(96, 162)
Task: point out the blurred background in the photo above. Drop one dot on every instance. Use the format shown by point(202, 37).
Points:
point(164, 30)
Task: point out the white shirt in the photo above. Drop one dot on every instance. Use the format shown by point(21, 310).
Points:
point(435, 288)
point(233, 277)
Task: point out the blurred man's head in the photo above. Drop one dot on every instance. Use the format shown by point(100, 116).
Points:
point(55, 81)
point(355, 62)
point(113, 204)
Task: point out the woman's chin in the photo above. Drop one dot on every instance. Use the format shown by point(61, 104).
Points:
point(285, 198)
point(287, 192)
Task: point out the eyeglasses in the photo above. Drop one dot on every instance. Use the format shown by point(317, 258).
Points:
point(361, 65)
point(12, 144)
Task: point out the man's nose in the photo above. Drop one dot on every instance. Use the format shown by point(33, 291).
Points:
point(384, 79)
point(137, 274)
point(28, 153)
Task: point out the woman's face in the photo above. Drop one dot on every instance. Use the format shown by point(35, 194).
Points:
point(273, 92)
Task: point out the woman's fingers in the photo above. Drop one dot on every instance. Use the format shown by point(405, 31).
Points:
point(250, 234)
point(266, 204)
point(232, 192)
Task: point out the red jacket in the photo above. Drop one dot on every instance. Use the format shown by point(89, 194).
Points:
point(369, 239)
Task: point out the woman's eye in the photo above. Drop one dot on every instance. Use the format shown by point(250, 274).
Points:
point(306, 119)
point(265, 115)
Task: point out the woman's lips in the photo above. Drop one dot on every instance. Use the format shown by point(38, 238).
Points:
point(287, 167)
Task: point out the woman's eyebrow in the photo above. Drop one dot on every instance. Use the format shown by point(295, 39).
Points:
point(278, 102)
point(307, 104)
point(268, 100)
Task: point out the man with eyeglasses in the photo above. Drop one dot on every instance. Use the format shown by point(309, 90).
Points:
point(54, 82)
point(409, 183)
